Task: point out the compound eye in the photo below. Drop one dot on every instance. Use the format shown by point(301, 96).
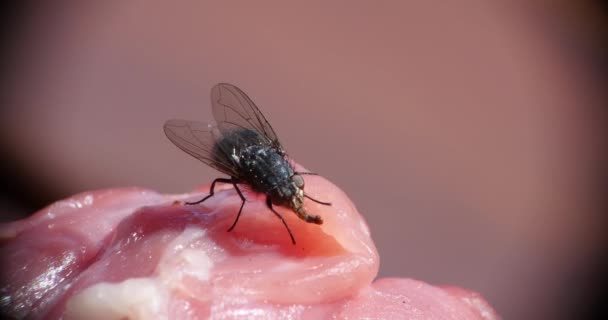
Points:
point(298, 180)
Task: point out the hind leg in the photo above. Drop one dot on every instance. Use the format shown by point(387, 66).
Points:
point(212, 190)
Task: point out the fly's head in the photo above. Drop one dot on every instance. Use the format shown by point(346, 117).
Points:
point(297, 201)
point(297, 198)
point(298, 181)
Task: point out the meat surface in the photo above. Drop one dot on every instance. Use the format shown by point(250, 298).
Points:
point(137, 254)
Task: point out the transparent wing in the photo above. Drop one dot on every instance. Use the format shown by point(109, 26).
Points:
point(233, 109)
point(198, 140)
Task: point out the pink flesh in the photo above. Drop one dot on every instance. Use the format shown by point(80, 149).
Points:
point(137, 254)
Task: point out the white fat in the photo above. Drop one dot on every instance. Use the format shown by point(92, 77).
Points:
point(137, 298)
point(181, 261)
point(189, 264)
point(183, 267)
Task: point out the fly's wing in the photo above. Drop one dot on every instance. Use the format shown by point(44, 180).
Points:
point(199, 140)
point(233, 110)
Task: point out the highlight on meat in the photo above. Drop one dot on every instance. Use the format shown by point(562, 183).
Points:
point(137, 254)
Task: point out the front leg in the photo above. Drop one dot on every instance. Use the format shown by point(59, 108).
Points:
point(269, 204)
point(307, 173)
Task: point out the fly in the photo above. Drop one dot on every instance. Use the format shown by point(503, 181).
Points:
point(243, 145)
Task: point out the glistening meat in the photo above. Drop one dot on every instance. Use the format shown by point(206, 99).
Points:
point(138, 254)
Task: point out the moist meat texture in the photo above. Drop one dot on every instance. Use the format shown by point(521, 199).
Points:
point(137, 254)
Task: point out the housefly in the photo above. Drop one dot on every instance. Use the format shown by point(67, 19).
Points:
point(243, 145)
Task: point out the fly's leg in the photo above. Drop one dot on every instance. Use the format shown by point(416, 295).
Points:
point(269, 204)
point(309, 197)
point(242, 204)
point(308, 173)
point(212, 189)
point(318, 201)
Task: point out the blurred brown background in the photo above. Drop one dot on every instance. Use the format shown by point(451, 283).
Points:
point(466, 133)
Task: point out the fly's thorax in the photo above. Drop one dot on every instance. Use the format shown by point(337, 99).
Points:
point(232, 146)
point(267, 171)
